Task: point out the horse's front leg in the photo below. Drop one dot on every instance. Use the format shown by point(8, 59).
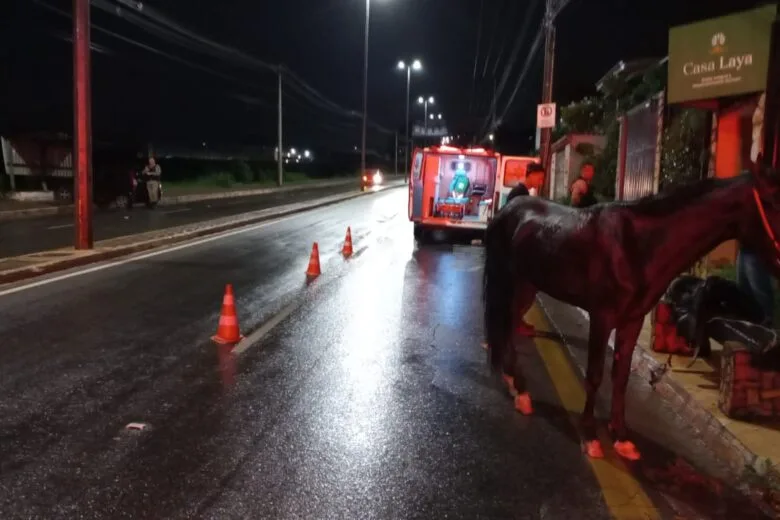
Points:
point(625, 342)
point(597, 349)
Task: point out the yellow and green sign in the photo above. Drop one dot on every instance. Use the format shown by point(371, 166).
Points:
point(725, 56)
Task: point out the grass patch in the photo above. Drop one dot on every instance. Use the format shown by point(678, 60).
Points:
point(226, 181)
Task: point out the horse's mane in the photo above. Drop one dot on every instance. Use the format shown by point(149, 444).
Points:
point(666, 202)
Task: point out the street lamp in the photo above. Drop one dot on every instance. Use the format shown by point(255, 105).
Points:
point(425, 102)
point(416, 65)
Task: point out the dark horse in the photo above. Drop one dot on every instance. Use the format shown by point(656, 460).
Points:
point(614, 261)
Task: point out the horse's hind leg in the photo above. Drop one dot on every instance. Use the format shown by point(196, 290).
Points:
point(513, 371)
point(515, 381)
point(597, 349)
point(625, 342)
point(524, 299)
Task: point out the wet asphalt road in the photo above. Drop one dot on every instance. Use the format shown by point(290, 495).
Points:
point(32, 235)
point(370, 399)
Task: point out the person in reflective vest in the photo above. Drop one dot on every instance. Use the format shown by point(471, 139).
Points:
point(581, 189)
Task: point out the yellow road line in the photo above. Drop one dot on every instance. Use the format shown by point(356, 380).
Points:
point(624, 496)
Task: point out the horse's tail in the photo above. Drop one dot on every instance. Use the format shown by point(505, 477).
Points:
point(497, 290)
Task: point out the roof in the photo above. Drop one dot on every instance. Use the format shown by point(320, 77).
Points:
point(630, 69)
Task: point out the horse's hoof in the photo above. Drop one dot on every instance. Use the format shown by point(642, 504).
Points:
point(593, 449)
point(523, 404)
point(525, 329)
point(627, 450)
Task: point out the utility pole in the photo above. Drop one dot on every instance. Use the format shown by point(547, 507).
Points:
point(395, 150)
point(82, 126)
point(547, 85)
point(365, 91)
point(280, 156)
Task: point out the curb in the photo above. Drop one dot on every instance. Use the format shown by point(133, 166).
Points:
point(727, 447)
point(749, 467)
point(23, 273)
point(67, 209)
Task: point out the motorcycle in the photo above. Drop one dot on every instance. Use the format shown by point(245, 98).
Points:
point(140, 192)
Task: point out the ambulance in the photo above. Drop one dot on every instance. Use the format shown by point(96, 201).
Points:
point(458, 188)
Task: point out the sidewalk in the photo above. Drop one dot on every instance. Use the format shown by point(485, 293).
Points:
point(11, 209)
point(745, 453)
point(19, 268)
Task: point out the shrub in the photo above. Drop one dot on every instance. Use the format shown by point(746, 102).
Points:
point(223, 180)
point(242, 172)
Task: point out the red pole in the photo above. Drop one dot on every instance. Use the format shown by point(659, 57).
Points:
point(82, 126)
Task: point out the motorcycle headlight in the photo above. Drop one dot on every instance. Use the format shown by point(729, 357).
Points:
point(377, 177)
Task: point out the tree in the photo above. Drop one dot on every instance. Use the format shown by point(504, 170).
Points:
point(583, 117)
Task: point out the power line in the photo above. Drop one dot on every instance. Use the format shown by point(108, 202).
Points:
point(296, 84)
point(476, 54)
point(225, 52)
point(508, 70)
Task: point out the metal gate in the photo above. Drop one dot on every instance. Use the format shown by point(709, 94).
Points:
point(642, 127)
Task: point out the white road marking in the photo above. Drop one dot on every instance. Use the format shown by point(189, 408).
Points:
point(60, 226)
point(180, 210)
point(268, 326)
point(144, 256)
point(159, 252)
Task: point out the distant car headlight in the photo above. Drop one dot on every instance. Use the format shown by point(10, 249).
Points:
point(377, 178)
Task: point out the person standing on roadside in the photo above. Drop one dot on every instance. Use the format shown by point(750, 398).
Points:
point(581, 189)
point(152, 173)
point(753, 278)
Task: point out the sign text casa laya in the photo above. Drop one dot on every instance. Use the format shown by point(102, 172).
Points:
point(725, 56)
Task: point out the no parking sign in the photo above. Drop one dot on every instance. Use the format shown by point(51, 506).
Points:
point(545, 115)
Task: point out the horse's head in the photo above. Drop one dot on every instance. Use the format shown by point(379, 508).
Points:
point(761, 232)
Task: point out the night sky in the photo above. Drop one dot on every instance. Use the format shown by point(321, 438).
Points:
point(141, 94)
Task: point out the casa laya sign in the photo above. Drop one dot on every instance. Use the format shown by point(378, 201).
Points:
point(725, 56)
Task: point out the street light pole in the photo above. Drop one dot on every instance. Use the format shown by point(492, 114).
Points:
point(82, 125)
point(412, 65)
point(395, 151)
point(279, 128)
point(408, 142)
point(365, 91)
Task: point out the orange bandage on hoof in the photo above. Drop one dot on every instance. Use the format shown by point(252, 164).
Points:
point(593, 449)
point(627, 450)
point(525, 329)
point(523, 404)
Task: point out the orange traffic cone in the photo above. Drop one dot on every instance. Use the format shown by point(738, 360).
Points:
point(347, 249)
point(227, 332)
point(314, 262)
